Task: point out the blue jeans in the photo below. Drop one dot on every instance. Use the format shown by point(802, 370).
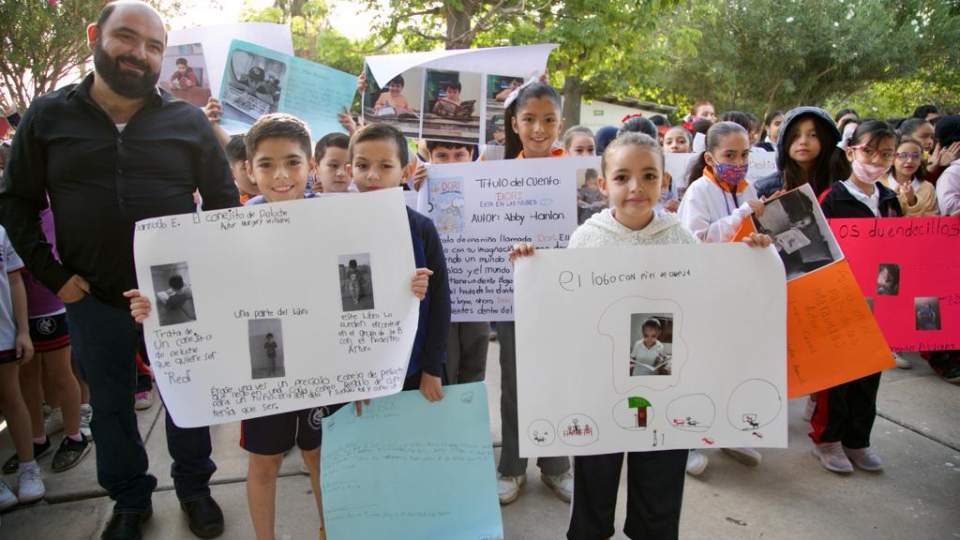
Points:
point(105, 340)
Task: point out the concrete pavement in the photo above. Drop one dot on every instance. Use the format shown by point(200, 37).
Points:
point(788, 496)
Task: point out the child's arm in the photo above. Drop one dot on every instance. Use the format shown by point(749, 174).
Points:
point(18, 297)
point(522, 249)
point(694, 215)
point(139, 305)
point(438, 323)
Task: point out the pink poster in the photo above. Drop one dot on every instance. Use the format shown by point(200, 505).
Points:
point(909, 272)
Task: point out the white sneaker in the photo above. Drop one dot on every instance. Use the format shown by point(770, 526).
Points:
point(7, 498)
point(30, 485)
point(54, 422)
point(696, 463)
point(748, 456)
point(902, 361)
point(832, 458)
point(143, 400)
point(809, 408)
point(86, 416)
point(561, 484)
point(508, 487)
point(864, 458)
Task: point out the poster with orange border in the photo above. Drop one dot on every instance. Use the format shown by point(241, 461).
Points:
point(907, 269)
point(832, 337)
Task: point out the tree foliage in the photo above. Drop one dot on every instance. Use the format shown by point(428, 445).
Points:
point(42, 43)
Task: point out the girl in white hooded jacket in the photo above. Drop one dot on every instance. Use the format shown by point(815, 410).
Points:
point(632, 170)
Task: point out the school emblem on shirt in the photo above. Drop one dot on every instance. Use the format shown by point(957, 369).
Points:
point(316, 417)
point(47, 326)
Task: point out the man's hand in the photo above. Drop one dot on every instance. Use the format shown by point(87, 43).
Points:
point(73, 290)
point(431, 387)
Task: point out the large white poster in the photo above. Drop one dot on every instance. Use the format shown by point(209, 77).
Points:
point(481, 209)
point(650, 348)
point(277, 307)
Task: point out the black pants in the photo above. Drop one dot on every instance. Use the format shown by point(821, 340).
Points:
point(846, 413)
point(654, 495)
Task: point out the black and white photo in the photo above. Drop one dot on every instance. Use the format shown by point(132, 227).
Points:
point(173, 294)
point(799, 231)
point(356, 283)
point(266, 348)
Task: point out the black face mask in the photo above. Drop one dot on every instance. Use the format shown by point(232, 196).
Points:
point(125, 83)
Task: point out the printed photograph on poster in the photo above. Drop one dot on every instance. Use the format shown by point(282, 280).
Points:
point(174, 299)
point(799, 231)
point(266, 348)
point(184, 74)
point(452, 111)
point(398, 102)
point(252, 86)
point(590, 200)
point(927, 310)
point(651, 338)
point(356, 285)
point(888, 279)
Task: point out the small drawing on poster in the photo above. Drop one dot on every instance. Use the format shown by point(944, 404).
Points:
point(753, 404)
point(541, 432)
point(173, 293)
point(266, 348)
point(651, 344)
point(927, 310)
point(578, 430)
point(694, 412)
point(634, 413)
point(356, 283)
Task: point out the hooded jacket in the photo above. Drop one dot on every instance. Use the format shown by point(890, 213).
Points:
point(603, 230)
point(770, 184)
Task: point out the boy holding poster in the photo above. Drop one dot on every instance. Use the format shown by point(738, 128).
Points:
point(631, 176)
point(278, 146)
point(379, 159)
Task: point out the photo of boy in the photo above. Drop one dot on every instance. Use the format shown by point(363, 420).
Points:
point(888, 279)
point(397, 103)
point(184, 76)
point(266, 352)
point(392, 101)
point(356, 284)
point(183, 73)
point(251, 87)
point(590, 199)
point(174, 296)
point(927, 310)
point(652, 344)
point(452, 98)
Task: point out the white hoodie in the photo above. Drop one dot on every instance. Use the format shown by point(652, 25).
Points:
point(603, 230)
point(711, 213)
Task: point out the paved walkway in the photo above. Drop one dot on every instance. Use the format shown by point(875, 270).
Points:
point(788, 496)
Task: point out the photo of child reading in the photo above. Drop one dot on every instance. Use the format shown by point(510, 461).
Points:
point(183, 73)
point(451, 105)
point(266, 348)
point(396, 103)
point(927, 310)
point(356, 285)
point(801, 234)
point(652, 338)
point(173, 295)
point(888, 279)
point(590, 199)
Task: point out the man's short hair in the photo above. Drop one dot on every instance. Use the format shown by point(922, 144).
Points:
point(176, 281)
point(277, 126)
point(335, 140)
point(236, 149)
point(380, 132)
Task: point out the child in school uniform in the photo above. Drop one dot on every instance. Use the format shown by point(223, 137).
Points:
point(278, 148)
point(533, 125)
point(844, 415)
point(330, 154)
point(713, 208)
point(632, 169)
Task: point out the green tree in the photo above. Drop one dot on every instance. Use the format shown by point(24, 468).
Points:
point(757, 54)
point(41, 44)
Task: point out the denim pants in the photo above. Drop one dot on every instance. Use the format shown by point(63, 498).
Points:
point(105, 340)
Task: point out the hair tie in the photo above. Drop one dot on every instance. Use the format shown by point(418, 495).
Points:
point(516, 93)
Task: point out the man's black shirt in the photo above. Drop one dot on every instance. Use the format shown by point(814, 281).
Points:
point(101, 179)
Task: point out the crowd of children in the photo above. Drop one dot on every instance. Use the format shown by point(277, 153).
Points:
point(857, 167)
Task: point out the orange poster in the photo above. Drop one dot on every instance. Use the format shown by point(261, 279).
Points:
point(832, 336)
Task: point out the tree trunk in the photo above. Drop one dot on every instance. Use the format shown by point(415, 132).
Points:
point(572, 97)
point(459, 35)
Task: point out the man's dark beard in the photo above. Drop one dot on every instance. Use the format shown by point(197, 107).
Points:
point(126, 83)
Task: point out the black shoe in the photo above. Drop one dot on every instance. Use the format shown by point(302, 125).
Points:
point(204, 516)
point(70, 453)
point(39, 450)
point(126, 526)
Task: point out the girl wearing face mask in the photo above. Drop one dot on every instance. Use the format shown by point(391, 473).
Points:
point(720, 198)
point(844, 415)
